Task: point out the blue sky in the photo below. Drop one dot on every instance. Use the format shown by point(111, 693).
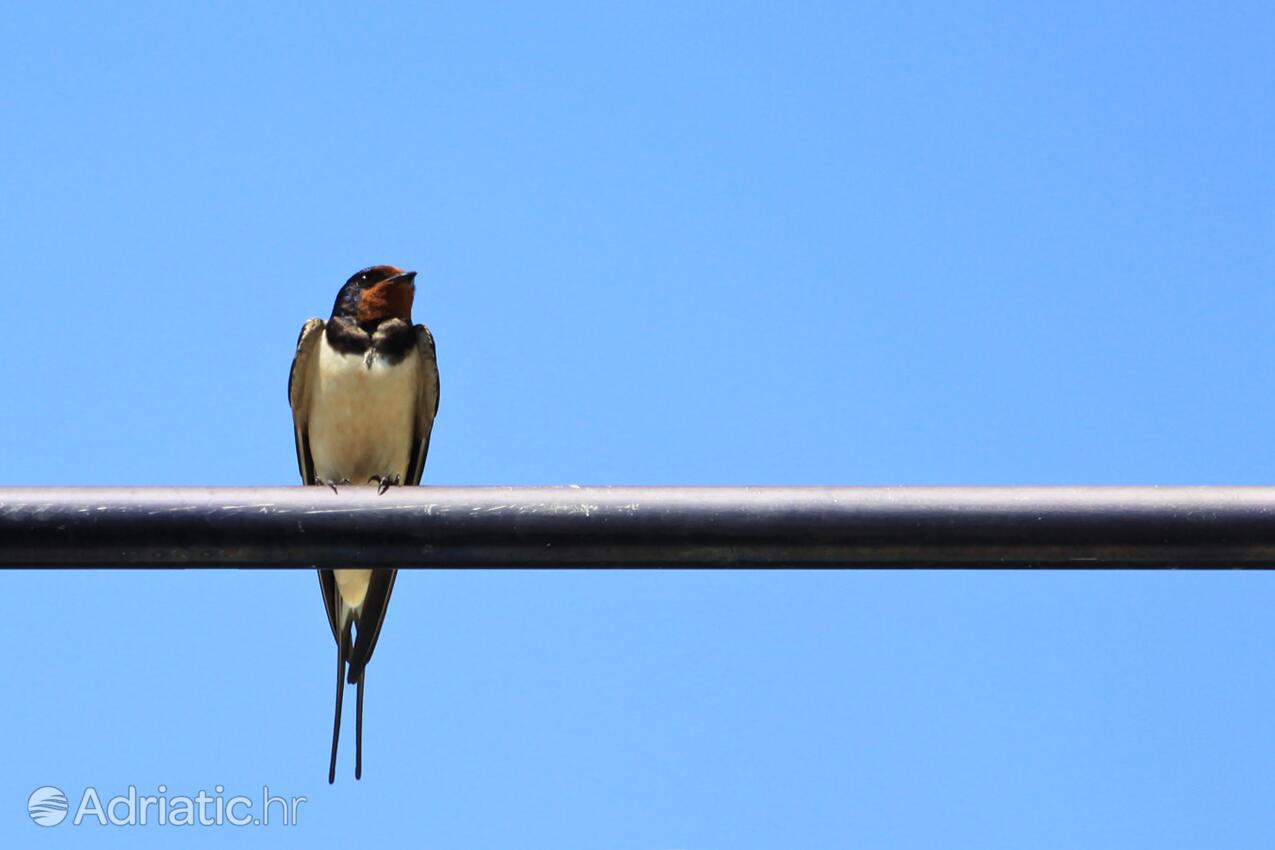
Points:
point(852, 243)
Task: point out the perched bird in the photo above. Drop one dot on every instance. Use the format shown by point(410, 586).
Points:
point(364, 391)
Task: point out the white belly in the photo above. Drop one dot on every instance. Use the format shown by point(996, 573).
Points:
point(361, 417)
point(361, 424)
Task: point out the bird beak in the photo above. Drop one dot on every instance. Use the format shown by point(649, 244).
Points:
point(406, 278)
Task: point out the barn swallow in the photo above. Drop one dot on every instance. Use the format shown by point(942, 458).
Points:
point(364, 392)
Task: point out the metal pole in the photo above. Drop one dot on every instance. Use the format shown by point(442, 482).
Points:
point(671, 527)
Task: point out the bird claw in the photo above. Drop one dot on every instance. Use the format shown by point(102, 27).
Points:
point(332, 484)
point(385, 482)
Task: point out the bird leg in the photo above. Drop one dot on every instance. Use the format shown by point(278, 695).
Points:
point(343, 482)
point(385, 482)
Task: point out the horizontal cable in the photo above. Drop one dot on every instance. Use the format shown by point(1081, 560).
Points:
point(668, 527)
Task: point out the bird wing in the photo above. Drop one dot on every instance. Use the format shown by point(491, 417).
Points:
point(426, 403)
point(381, 584)
point(304, 365)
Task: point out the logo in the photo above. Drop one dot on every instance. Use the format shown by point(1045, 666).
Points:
point(47, 806)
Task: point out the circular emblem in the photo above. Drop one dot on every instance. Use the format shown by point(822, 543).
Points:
point(47, 806)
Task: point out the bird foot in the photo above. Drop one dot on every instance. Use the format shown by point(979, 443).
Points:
point(332, 484)
point(385, 482)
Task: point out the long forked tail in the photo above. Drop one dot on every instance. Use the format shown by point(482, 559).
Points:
point(358, 727)
point(342, 648)
point(355, 644)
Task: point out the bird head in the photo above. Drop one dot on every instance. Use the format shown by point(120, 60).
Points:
point(375, 294)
